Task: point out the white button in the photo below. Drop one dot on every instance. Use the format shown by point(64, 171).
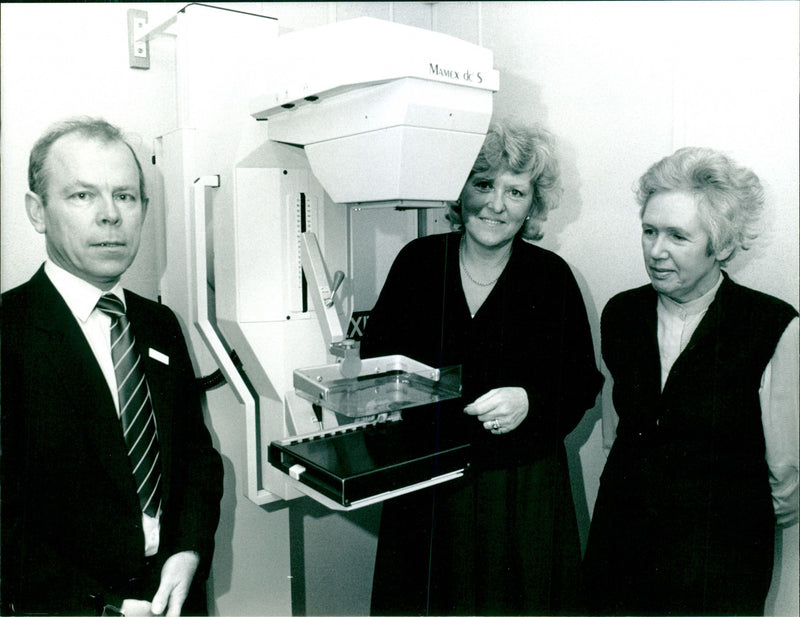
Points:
point(296, 470)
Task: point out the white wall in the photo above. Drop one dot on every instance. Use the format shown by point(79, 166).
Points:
point(60, 60)
point(620, 84)
point(623, 84)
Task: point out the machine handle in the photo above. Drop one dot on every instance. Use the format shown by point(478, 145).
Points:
point(338, 279)
point(319, 287)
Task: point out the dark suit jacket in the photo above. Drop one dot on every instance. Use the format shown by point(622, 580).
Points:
point(71, 521)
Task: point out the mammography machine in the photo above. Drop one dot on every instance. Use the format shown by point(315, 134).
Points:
point(371, 127)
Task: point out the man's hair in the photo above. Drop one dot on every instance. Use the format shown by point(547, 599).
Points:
point(91, 128)
point(729, 197)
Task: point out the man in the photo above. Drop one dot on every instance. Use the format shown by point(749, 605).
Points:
point(705, 384)
point(111, 486)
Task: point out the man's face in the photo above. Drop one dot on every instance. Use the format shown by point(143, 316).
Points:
point(94, 214)
point(676, 247)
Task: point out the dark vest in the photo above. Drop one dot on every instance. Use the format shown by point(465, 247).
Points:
point(701, 441)
point(683, 523)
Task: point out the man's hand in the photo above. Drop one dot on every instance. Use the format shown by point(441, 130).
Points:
point(176, 577)
point(135, 608)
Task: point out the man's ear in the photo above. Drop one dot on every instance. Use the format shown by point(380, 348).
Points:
point(34, 206)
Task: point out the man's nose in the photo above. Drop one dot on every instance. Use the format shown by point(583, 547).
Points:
point(108, 210)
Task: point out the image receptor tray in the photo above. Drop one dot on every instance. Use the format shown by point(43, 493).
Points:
point(362, 465)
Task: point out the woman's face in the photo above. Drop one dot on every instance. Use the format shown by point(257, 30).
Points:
point(494, 205)
point(675, 245)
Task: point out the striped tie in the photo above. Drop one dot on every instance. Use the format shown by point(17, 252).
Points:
point(135, 408)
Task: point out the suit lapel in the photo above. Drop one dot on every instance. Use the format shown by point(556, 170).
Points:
point(68, 361)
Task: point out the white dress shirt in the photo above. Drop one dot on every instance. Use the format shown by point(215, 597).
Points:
point(81, 298)
point(778, 395)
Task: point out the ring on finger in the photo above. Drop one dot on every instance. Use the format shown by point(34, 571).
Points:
point(495, 425)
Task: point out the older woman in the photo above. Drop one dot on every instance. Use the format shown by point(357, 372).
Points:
point(705, 383)
point(503, 539)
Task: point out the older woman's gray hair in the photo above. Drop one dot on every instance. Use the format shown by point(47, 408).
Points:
point(520, 149)
point(730, 197)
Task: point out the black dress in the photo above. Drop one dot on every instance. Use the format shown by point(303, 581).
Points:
point(503, 539)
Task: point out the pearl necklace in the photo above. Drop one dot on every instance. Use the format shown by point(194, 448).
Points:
point(469, 276)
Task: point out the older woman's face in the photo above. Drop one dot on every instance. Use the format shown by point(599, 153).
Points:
point(494, 205)
point(675, 245)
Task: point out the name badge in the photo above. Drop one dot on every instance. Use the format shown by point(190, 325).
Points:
point(157, 355)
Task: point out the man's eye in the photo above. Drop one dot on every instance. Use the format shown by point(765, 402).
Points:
point(125, 197)
point(81, 196)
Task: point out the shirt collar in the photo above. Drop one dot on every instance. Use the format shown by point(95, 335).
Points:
point(81, 296)
point(692, 307)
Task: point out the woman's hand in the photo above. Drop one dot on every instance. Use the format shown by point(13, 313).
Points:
point(500, 410)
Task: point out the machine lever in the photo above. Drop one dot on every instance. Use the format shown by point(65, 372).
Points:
point(338, 279)
point(319, 288)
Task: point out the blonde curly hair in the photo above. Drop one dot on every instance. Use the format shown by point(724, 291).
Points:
point(520, 149)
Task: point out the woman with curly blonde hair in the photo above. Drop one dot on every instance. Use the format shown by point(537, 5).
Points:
point(502, 540)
